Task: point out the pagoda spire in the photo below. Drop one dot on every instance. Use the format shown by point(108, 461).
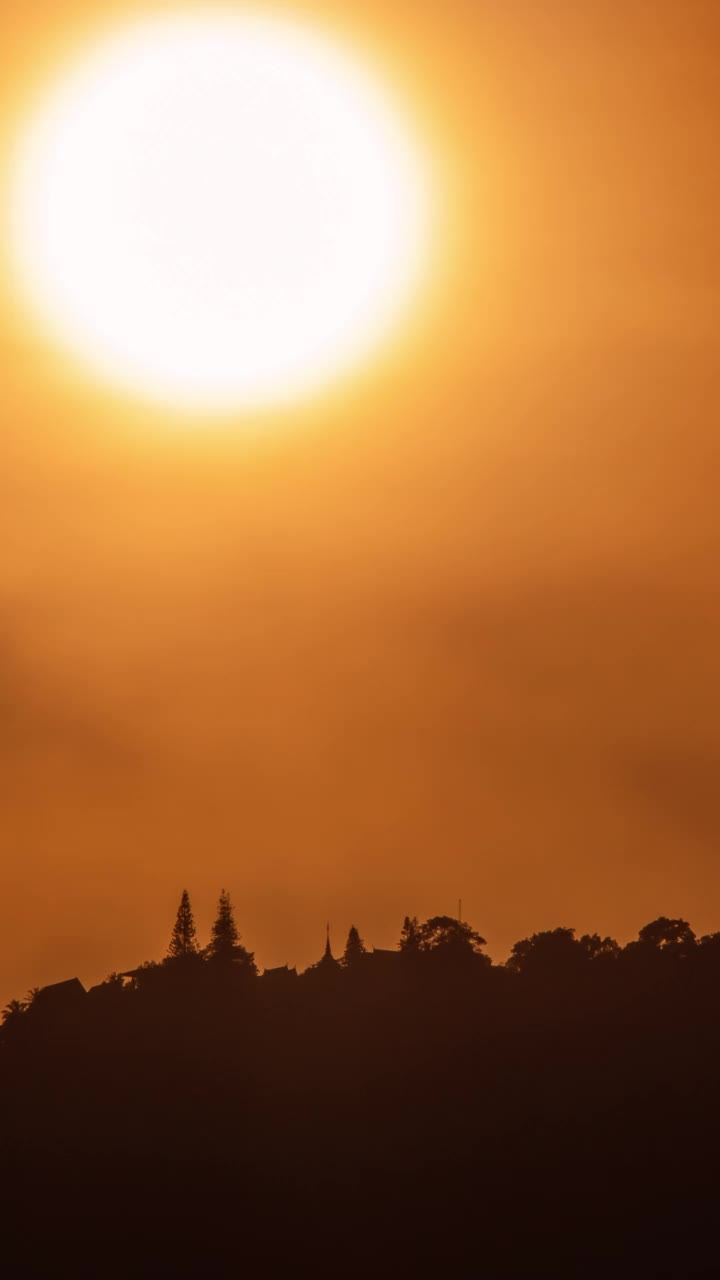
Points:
point(328, 949)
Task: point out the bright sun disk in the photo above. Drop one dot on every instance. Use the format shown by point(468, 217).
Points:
point(218, 210)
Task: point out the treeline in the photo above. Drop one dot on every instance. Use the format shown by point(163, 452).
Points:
point(442, 947)
point(399, 1112)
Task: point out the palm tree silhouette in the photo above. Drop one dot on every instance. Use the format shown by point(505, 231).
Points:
point(13, 1009)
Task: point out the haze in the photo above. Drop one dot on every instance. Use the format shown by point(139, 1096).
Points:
point(452, 631)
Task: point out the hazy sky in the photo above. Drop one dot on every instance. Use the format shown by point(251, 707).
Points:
point(451, 631)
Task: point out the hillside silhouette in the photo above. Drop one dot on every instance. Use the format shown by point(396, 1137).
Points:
point(407, 1112)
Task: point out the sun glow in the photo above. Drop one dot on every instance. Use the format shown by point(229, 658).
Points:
point(219, 210)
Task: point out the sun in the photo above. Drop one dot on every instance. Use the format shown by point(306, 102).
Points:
point(219, 210)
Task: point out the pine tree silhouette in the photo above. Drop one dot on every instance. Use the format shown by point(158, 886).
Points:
point(225, 944)
point(354, 948)
point(183, 942)
point(224, 935)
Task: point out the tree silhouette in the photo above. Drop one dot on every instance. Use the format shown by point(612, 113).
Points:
point(13, 1011)
point(710, 942)
point(225, 945)
point(183, 942)
point(224, 935)
point(548, 953)
point(354, 948)
point(598, 948)
point(409, 934)
point(670, 935)
point(114, 980)
point(449, 936)
point(13, 1020)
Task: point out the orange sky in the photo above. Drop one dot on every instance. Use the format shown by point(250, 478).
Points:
point(449, 631)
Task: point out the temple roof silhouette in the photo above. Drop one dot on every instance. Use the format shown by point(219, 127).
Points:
point(280, 971)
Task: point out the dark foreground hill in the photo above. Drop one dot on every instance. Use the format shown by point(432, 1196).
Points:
point(412, 1114)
